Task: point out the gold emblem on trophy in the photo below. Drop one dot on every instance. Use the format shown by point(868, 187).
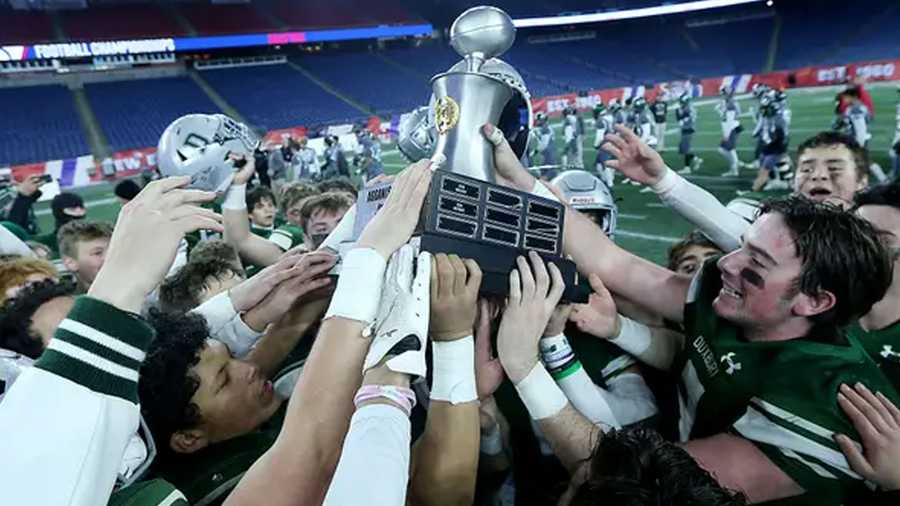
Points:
point(446, 114)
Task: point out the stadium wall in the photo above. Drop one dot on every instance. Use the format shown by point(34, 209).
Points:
point(82, 170)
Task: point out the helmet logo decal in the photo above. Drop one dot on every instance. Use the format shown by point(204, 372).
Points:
point(446, 114)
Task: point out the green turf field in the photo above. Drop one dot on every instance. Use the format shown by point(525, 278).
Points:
point(645, 227)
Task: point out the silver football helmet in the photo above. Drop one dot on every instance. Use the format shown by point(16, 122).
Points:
point(590, 195)
point(199, 145)
point(517, 118)
point(416, 134)
point(748, 209)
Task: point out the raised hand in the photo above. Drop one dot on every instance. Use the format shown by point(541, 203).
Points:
point(635, 159)
point(454, 295)
point(534, 292)
point(306, 276)
point(243, 174)
point(509, 170)
point(251, 292)
point(393, 224)
point(146, 238)
point(599, 316)
point(558, 319)
point(878, 422)
point(488, 370)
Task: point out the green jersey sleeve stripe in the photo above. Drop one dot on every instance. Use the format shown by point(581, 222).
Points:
point(756, 426)
point(96, 349)
point(281, 239)
point(85, 374)
point(128, 328)
point(103, 339)
point(797, 423)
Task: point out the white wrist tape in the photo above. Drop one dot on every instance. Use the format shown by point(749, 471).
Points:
point(358, 291)
point(634, 337)
point(669, 180)
point(540, 394)
point(454, 371)
point(542, 191)
point(492, 441)
point(236, 197)
point(343, 232)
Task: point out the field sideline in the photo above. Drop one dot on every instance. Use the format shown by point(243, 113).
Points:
point(645, 227)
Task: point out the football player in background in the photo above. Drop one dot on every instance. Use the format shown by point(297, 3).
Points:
point(686, 115)
point(570, 138)
point(858, 115)
point(546, 145)
point(603, 122)
point(729, 113)
point(660, 109)
point(643, 122)
point(579, 138)
point(773, 139)
point(894, 151)
point(305, 163)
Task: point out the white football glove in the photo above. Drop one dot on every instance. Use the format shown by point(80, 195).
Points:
point(403, 311)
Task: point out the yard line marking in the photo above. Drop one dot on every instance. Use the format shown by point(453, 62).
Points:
point(628, 216)
point(649, 237)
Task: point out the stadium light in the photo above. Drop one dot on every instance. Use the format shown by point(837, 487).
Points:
point(575, 19)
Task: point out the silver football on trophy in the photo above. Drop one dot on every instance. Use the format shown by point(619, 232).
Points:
point(484, 32)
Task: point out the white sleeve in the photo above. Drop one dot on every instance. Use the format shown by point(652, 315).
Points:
point(588, 398)
point(66, 422)
point(226, 325)
point(12, 245)
point(377, 446)
point(702, 209)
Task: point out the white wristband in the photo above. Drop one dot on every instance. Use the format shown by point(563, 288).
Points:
point(540, 394)
point(358, 291)
point(541, 190)
point(669, 180)
point(454, 371)
point(235, 197)
point(634, 337)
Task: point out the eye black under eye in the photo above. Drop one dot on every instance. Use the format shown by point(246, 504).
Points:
point(753, 278)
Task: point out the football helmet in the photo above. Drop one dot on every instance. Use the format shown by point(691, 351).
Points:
point(417, 134)
point(590, 195)
point(517, 117)
point(748, 209)
point(200, 145)
point(685, 98)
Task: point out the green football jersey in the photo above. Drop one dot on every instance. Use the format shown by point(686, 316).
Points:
point(781, 396)
point(883, 346)
point(287, 236)
point(264, 232)
point(148, 493)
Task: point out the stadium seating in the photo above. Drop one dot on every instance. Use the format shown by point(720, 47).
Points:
point(337, 13)
point(278, 96)
point(119, 22)
point(20, 27)
point(370, 80)
point(223, 19)
point(39, 123)
point(133, 114)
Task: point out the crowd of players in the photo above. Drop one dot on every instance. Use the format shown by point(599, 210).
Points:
point(204, 351)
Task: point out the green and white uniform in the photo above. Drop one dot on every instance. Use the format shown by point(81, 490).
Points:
point(781, 396)
point(883, 346)
point(287, 236)
point(148, 493)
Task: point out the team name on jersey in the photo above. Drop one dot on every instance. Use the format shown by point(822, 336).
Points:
point(709, 359)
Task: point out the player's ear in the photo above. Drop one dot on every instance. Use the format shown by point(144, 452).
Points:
point(810, 305)
point(188, 441)
point(70, 263)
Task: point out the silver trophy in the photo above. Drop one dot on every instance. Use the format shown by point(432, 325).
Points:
point(480, 89)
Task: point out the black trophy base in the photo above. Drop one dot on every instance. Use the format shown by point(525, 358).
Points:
point(496, 262)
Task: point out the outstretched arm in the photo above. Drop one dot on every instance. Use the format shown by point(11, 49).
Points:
point(298, 467)
point(88, 376)
point(445, 461)
point(623, 272)
point(251, 247)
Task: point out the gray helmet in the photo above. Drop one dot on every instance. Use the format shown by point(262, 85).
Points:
point(517, 117)
point(417, 135)
point(590, 195)
point(199, 145)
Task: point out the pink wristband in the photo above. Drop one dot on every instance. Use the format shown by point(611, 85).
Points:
point(403, 398)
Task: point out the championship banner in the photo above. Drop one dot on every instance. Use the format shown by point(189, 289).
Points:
point(127, 163)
